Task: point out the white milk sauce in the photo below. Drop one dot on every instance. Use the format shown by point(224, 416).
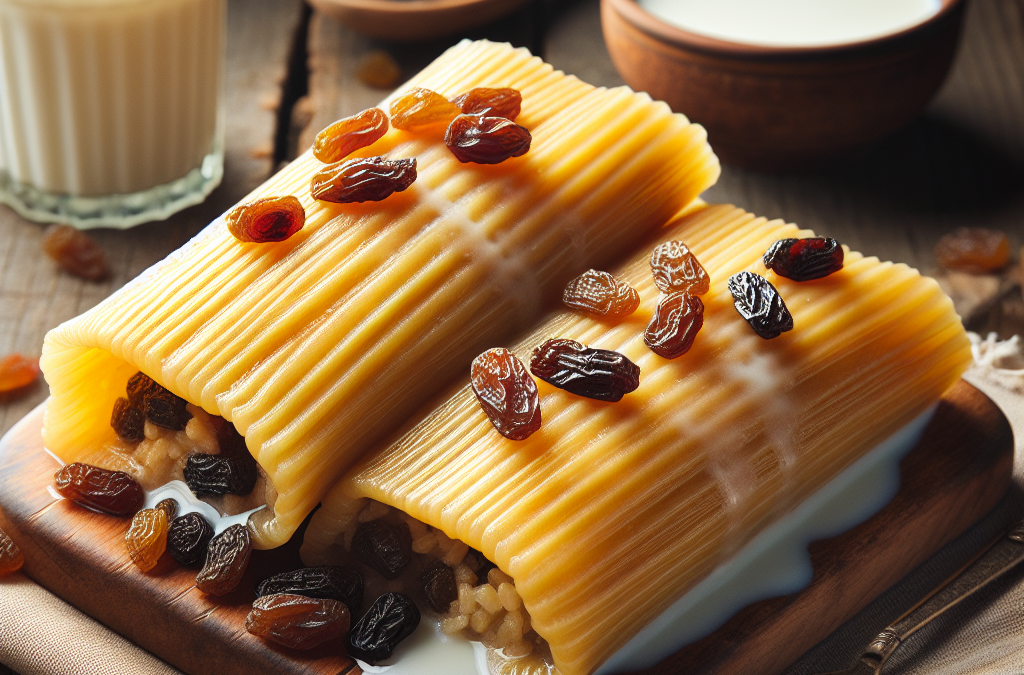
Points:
point(792, 23)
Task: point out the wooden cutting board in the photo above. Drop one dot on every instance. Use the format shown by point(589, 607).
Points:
point(956, 474)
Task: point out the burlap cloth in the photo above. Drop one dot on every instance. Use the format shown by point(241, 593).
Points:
point(42, 635)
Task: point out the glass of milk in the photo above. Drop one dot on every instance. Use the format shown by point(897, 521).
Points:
point(111, 111)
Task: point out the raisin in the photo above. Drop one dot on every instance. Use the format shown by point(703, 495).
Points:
point(128, 420)
point(230, 442)
point(675, 269)
point(11, 557)
point(975, 250)
point(385, 546)
point(368, 179)
point(347, 135)
point(600, 374)
point(675, 324)
point(168, 506)
point(804, 259)
point(160, 406)
point(227, 558)
point(17, 372)
point(378, 69)
point(422, 108)
point(146, 539)
point(187, 539)
point(507, 393)
point(297, 621)
point(266, 220)
point(439, 586)
point(760, 304)
point(218, 475)
point(599, 294)
point(486, 140)
point(343, 584)
point(140, 386)
point(504, 102)
point(76, 252)
point(113, 492)
point(392, 618)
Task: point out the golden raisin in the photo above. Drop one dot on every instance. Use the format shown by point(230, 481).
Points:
point(504, 102)
point(675, 269)
point(146, 539)
point(599, 294)
point(486, 140)
point(76, 252)
point(368, 179)
point(17, 372)
point(11, 557)
point(378, 69)
point(422, 108)
point(975, 250)
point(347, 135)
point(507, 393)
point(267, 219)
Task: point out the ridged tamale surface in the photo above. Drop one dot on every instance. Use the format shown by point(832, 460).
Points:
point(317, 346)
point(611, 511)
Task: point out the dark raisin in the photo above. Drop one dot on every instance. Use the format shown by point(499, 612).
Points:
point(675, 324)
point(227, 558)
point(439, 586)
point(160, 406)
point(140, 386)
point(675, 268)
point(599, 294)
point(600, 374)
point(392, 618)
point(383, 545)
point(368, 179)
point(217, 475)
point(507, 393)
point(343, 584)
point(187, 539)
point(170, 507)
point(113, 492)
point(486, 140)
point(128, 421)
point(297, 621)
point(501, 102)
point(804, 259)
point(230, 442)
point(269, 219)
point(760, 304)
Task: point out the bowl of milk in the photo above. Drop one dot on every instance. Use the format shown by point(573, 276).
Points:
point(786, 84)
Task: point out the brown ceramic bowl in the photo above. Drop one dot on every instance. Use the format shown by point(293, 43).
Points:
point(784, 107)
point(414, 19)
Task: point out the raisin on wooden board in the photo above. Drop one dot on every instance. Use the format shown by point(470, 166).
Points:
point(497, 102)
point(600, 374)
point(974, 250)
point(227, 558)
point(187, 539)
point(805, 259)
point(369, 179)
point(507, 393)
point(383, 545)
point(218, 475)
point(128, 420)
point(297, 621)
point(422, 108)
point(11, 557)
point(343, 584)
point(675, 324)
point(17, 372)
point(264, 220)
point(146, 538)
point(392, 618)
point(486, 140)
point(676, 268)
point(113, 492)
point(342, 138)
point(439, 586)
point(760, 304)
point(76, 252)
point(601, 295)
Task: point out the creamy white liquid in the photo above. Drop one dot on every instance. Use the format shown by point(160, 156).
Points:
point(792, 23)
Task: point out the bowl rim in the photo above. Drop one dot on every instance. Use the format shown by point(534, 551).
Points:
point(406, 6)
point(639, 18)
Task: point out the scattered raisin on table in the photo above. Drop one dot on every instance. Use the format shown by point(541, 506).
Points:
point(599, 294)
point(439, 586)
point(113, 492)
point(227, 558)
point(343, 584)
point(383, 545)
point(297, 621)
point(422, 108)
point(160, 406)
point(975, 250)
point(17, 372)
point(11, 557)
point(128, 420)
point(486, 140)
point(507, 393)
point(392, 618)
point(675, 324)
point(76, 252)
point(267, 219)
point(219, 475)
point(600, 374)
point(760, 304)
point(168, 506)
point(501, 102)
point(675, 269)
point(804, 259)
point(187, 539)
point(342, 138)
point(368, 179)
point(146, 538)
point(378, 69)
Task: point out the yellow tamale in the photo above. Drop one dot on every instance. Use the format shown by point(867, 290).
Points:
point(316, 347)
point(611, 511)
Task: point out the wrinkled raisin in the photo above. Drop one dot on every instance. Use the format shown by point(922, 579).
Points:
point(128, 420)
point(218, 475)
point(170, 507)
point(76, 252)
point(975, 250)
point(392, 618)
point(266, 220)
point(385, 546)
point(599, 294)
point(507, 393)
point(760, 304)
point(503, 102)
point(422, 108)
point(11, 557)
point(804, 259)
point(600, 374)
point(187, 539)
point(343, 584)
point(227, 558)
point(675, 324)
point(146, 539)
point(297, 621)
point(17, 372)
point(486, 140)
point(159, 405)
point(378, 69)
point(347, 135)
point(439, 586)
point(675, 269)
point(140, 386)
point(113, 492)
point(369, 179)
